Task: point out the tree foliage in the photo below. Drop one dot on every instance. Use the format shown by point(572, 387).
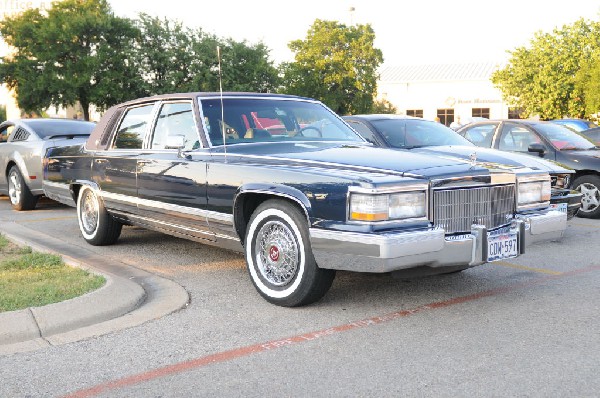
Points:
point(587, 84)
point(383, 106)
point(541, 79)
point(2, 113)
point(336, 64)
point(78, 51)
point(179, 59)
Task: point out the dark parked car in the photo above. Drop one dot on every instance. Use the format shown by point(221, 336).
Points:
point(592, 135)
point(302, 201)
point(23, 143)
point(577, 125)
point(431, 138)
point(549, 141)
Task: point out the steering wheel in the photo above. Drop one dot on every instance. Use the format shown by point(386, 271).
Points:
point(303, 129)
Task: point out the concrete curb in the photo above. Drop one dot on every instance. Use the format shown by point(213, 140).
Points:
point(129, 298)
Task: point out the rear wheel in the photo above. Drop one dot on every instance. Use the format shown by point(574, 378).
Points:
point(97, 227)
point(589, 186)
point(280, 259)
point(19, 193)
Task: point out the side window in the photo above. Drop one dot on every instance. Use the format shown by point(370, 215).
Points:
point(176, 119)
point(5, 133)
point(364, 131)
point(481, 135)
point(133, 128)
point(516, 138)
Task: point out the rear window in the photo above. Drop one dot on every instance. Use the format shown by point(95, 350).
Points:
point(60, 128)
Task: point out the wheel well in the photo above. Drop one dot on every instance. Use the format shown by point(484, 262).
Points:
point(581, 173)
point(75, 188)
point(9, 165)
point(248, 202)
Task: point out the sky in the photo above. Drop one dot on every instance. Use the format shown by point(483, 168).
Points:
point(408, 32)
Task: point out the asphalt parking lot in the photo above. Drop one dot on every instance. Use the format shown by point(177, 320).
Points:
point(527, 327)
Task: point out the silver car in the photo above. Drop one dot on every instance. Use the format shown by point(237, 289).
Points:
point(23, 143)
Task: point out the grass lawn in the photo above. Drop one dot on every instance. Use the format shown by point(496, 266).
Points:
point(31, 279)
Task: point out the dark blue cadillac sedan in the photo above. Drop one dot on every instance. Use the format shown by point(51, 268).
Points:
point(286, 181)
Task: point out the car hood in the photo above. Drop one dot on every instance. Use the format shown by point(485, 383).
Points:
point(494, 156)
point(359, 158)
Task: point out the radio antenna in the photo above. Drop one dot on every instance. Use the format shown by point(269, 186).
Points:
point(222, 109)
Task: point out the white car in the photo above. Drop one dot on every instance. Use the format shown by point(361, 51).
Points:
point(23, 143)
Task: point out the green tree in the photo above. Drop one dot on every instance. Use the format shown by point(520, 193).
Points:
point(78, 51)
point(336, 64)
point(2, 113)
point(541, 78)
point(175, 58)
point(587, 84)
point(383, 106)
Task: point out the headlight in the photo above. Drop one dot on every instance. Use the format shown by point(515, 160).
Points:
point(386, 207)
point(533, 193)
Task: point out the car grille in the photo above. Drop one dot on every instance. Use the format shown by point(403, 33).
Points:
point(456, 210)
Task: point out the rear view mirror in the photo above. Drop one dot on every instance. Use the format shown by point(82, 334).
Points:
point(538, 148)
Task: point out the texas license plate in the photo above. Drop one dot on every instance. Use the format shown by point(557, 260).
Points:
point(559, 206)
point(502, 246)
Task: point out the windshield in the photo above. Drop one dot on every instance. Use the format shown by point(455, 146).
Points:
point(271, 119)
point(564, 139)
point(59, 128)
point(409, 133)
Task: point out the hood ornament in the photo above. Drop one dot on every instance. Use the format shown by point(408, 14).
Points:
point(473, 158)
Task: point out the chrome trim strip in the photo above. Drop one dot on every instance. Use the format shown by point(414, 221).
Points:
point(274, 193)
point(392, 189)
point(178, 227)
point(210, 215)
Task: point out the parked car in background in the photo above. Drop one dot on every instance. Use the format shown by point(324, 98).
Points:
point(577, 125)
point(548, 141)
point(592, 135)
point(301, 203)
point(430, 138)
point(23, 143)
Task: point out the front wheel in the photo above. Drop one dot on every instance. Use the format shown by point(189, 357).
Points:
point(97, 227)
point(279, 256)
point(19, 193)
point(589, 186)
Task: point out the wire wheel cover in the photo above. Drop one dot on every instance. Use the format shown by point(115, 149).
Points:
point(89, 212)
point(277, 257)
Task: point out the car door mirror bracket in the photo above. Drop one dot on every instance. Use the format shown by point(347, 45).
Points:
point(538, 148)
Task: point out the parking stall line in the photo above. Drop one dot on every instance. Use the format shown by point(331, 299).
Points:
point(235, 353)
point(524, 268)
point(48, 219)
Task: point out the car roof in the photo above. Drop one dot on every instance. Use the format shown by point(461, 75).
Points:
point(202, 94)
point(520, 121)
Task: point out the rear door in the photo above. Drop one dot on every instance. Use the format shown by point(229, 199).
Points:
point(171, 182)
point(115, 169)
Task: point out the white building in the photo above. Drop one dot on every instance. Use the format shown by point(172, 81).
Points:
point(444, 91)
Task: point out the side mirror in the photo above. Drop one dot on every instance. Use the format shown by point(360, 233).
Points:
point(538, 148)
point(176, 142)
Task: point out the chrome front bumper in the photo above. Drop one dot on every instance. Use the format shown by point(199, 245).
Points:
point(388, 252)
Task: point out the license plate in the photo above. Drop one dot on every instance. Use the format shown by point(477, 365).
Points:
point(559, 206)
point(502, 246)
